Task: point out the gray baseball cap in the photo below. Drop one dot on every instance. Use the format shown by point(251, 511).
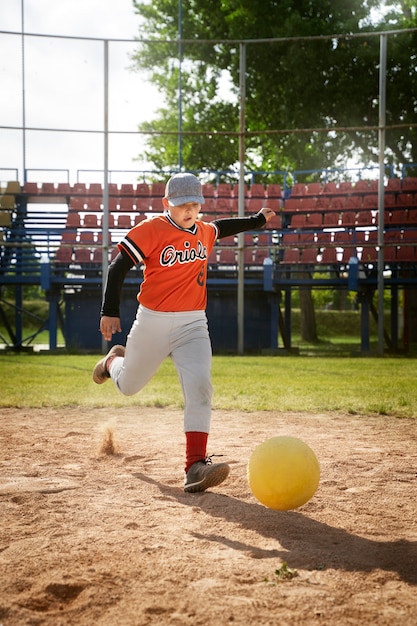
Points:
point(183, 188)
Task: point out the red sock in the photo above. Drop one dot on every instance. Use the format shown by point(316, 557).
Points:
point(196, 446)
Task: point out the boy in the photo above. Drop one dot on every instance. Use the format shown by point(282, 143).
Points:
point(171, 319)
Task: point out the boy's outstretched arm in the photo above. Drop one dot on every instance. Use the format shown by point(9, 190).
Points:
point(233, 225)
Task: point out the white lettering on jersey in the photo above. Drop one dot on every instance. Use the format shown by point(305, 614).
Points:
point(170, 256)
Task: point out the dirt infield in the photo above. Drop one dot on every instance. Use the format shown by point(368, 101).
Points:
point(112, 539)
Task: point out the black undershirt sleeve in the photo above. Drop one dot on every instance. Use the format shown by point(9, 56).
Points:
point(116, 275)
point(233, 225)
point(122, 263)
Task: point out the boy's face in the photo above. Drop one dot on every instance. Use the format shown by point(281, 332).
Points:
point(184, 215)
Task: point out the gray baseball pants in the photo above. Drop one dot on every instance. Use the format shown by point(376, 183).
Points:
point(184, 337)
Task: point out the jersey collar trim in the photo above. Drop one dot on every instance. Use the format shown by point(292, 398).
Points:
point(192, 230)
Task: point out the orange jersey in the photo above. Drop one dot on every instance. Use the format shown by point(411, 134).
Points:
point(175, 262)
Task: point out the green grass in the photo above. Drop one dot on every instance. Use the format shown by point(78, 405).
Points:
point(363, 386)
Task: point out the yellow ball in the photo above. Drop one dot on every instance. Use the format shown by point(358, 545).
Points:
point(283, 473)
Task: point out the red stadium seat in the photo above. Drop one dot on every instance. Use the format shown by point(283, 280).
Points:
point(158, 190)
point(208, 190)
point(86, 237)
point(409, 183)
point(63, 256)
point(73, 219)
point(398, 217)
point(274, 224)
point(248, 256)
point(322, 202)
point(369, 255)
point(126, 189)
point(273, 203)
point(292, 204)
point(260, 255)
point(331, 218)
point(338, 203)
point(306, 239)
point(77, 204)
point(390, 254)
point(227, 256)
point(392, 236)
point(345, 187)
point(227, 241)
point(348, 218)
point(95, 189)
point(94, 203)
point(290, 239)
point(100, 238)
point(307, 204)
point(113, 189)
point(354, 202)
point(315, 220)
point(224, 206)
point(273, 190)
point(48, 188)
point(348, 253)
point(291, 256)
point(90, 220)
point(255, 204)
point(412, 217)
point(97, 256)
point(113, 203)
point(393, 184)
point(63, 188)
point(82, 255)
point(370, 201)
point(405, 199)
point(313, 189)
point(124, 221)
point(142, 190)
point(329, 188)
point(406, 254)
point(31, 189)
point(126, 204)
point(257, 190)
point(343, 238)
point(138, 218)
point(362, 186)
point(156, 204)
point(79, 188)
point(389, 199)
point(69, 236)
point(111, 219)
point(410, 235)
point(365, 218)
point(299, 220)
point(299, 189)
point(329, 256)
point(224, 190)
point(144, 204)
point(309, 256)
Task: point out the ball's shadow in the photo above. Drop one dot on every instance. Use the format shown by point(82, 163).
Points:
point(306, 543)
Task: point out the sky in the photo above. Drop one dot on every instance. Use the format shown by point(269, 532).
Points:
point(64, 89)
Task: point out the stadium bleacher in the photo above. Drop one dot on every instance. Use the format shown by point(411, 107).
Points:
point(312, 209)
point(318, 229)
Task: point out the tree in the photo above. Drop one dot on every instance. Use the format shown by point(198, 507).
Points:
point(297, 84)
point(326, 83)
